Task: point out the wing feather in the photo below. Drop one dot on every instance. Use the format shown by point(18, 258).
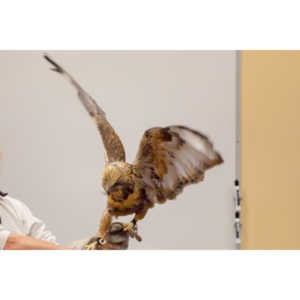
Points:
point(173, 157)
point(112, 143)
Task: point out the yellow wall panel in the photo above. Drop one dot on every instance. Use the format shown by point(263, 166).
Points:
point(270, 149)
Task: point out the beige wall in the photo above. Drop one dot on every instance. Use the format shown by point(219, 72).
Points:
point(270, 147)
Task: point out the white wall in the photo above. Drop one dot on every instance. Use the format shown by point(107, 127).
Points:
point(53, 155)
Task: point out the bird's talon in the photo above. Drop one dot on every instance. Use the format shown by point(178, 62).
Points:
point(131, 228)
point(91, 246)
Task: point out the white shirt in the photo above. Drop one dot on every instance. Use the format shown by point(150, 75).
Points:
point(17, 218)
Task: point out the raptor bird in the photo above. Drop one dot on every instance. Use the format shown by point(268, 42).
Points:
point(168, 159)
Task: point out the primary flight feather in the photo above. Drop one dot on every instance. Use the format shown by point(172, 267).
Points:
point(168, 159)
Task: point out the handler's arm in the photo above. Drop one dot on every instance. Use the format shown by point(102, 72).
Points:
point(22, 242)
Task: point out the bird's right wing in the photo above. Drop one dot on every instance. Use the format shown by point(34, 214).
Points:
point(112, 143)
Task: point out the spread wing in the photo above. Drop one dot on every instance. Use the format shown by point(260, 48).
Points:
point(112, 143)
point(173, 157)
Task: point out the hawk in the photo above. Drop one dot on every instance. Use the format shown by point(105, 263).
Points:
point(168, 159)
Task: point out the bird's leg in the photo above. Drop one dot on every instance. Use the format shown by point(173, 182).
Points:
point(104, 225)
point(131, 227)
point(105, 222)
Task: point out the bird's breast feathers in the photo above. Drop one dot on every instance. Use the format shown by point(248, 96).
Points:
point(125, 189)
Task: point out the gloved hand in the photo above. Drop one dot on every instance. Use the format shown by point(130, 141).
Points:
point(116, 239)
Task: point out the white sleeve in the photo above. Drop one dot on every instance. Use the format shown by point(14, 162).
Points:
point(37, 229)
point(3, 237)
point(34, 227)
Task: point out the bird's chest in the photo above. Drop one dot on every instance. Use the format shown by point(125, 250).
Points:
point(134, 202)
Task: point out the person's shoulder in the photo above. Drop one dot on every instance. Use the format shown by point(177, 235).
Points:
point(15, 204)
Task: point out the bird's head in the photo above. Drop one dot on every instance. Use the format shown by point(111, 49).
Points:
point(118, 182)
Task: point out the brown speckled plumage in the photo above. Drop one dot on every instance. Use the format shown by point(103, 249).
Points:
point(168, 160)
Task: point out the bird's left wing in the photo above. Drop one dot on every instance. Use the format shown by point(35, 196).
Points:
point(112, 143)
point(173, 157)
